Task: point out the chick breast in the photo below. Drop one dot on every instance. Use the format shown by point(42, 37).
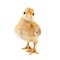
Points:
point(28, 31)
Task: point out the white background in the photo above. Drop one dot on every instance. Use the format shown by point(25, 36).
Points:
point(47, 15)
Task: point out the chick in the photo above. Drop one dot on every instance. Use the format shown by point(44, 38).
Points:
point(28, 30)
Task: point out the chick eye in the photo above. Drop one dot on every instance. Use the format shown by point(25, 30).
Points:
point(32, 13)
point(24, 12)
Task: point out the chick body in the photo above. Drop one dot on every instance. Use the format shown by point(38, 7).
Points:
point(25, 31)
point(28, 30)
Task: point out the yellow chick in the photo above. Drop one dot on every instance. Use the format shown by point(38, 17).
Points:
point(28, 30)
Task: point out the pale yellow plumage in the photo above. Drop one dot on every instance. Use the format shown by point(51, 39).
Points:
point(27, 29)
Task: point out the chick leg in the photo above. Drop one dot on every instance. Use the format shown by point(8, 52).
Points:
point(33, 50)
point(27, 46)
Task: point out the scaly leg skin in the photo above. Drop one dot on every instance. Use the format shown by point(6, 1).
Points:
point(33, 50)
point(27, 47)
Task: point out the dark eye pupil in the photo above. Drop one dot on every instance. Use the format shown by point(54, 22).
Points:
point(24, 12)
point(33, 14)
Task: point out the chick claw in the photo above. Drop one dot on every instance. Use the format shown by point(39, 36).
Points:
point(27, 47)
point(32, 50)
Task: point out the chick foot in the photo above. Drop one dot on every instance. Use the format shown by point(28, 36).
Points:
point(32, 50)
point(27, 47)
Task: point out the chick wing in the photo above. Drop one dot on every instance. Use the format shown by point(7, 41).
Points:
point(36, 28)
